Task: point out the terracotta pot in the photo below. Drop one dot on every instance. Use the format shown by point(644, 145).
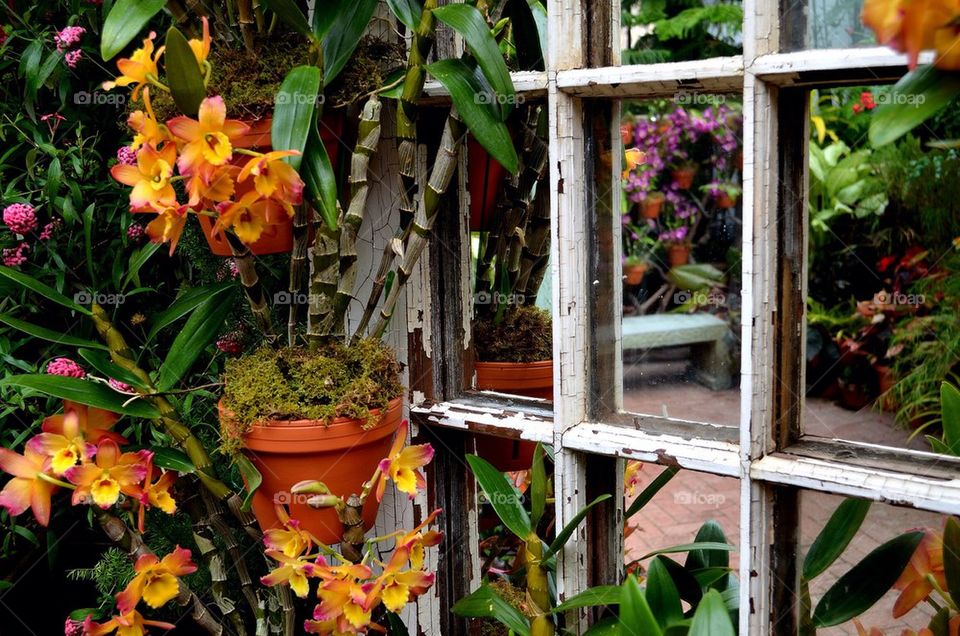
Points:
point(725, 201)
point(885, 381)
point(486, 177)
point(678, 255)
point(853, 396)
point(531, 379)
point(651, 205)
point(683, 177)
point(276, 239)
point(633, 274)
point(626, 134)
point(341, 454)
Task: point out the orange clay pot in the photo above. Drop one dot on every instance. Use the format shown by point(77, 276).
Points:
point(678, 255)
point(485, 179)
point(633, 274)
point(530, 379)
point(276, 239)
point(725, 201)
point(341, 454)
point(651, 205)
point(684, 177)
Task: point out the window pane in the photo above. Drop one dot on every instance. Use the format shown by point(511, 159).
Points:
point(680, 235)
point(824, 24)
point(883, 333)
point(679, 30)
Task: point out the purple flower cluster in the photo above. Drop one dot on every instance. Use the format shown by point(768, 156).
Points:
point(20, 218)
point(127, 156)
point(68, 37)
point(676, 235)
point(135, 232)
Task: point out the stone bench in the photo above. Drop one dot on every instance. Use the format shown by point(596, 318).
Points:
point(704, 333)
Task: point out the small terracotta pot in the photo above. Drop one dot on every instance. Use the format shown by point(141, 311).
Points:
point(278, 238)
point(853, 396)
point(725, 201)
point(678, 255)
point(885, 381)
point(651, 205)
point(633, 274)
point(684, 177)
point(341, 454)
point(485, 180)
point(531, 379)
point(626, 134)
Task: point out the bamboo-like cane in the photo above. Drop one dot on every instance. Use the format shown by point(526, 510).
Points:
point(247, 21)
point(407, 113)
point(132, 543)
point(443, 168)
point(536, 251)
point(324, 280)
point(538, 591)
point(298, 260)
point(252, 288)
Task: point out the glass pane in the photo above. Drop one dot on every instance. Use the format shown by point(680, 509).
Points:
point(882, 524)
point(510, 247)
point(681, 266)
point(824, 24)
point(883, 332)
point(678, 30)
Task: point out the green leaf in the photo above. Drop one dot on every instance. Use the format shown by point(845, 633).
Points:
point(860, 588)
point(950, 413)
point(651, 491)
point(48, 334)
point(606, 626)
point(714, 557)
point(293, 115)
point(320, 180)
point(183, 73)
point(101, 361)
point(712, 617)
point(124, 22)
point(204, 323)
point(395, 623)
point(486, 603)
point(538, 486)
point(529, 21)
point(83, 392)
point(469, 23)
point(44, 290)
point(951, 556)
point(690, 547)
point(290, 13)
point(662, 594)
point(918, 96)
point(598, 596)
point(137, 260)
point(172, 459)
point(251, 479)
point(183, 305)
point(568, 529)
point(475, 107)
point(503, 496)
point(324, 14)
point(687, 584)
point(407, 11)
point(344, 35)
point(835, 536)
point(88, 242)
point(636, 617)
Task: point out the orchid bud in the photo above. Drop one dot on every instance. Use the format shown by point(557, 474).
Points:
point(310, 487)
point(323, 501)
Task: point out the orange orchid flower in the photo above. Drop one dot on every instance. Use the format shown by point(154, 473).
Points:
point(212, 183)
point(275, 178)
point(343, 595)
point(112, 473)
point(909, 26)
point(633, 158)
point(402, 464)
point(631, 477)
point(861, 630)
point(156, 494)
point(914, 584)
point(156, 580)
point(149, 129)
point(291, 540)
point(249, 216)
point(129, 624)
point(201, 48)
point(150, 178)
point(139, 68)
point(27, 489)
point(168, 225)
point(292, 571)
point(416, 540)
point(946, 41)
point(208, 140)
point(66, 449)
point(95, 424)
point(396, 587)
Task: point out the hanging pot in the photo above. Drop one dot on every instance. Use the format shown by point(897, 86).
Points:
point(684, 176)
point(530, 379)
point(725, 202)
point(342, 454)
point(678, 254)
point(277, 238)
point(485, 180)
point(651, 205)
point(633, 274)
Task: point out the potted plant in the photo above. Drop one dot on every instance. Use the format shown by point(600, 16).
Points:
point(725, 195)
point(679, 224)
point(683, 174)
point(639, 247)
point(651, 204)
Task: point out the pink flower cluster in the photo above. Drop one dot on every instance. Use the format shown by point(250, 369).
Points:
point(122, 387)
point(48, 229)
point(13, 257)
point(135, 232)
point(230, 344)
point(127, 156)
point(67, 39)
point(20, 218)
point(66, 367)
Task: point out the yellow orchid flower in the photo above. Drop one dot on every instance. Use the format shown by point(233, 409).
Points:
point(292, 571)
point(292, 540)
point(207, 139)
point(201, 48)
point(168, 225)
point(275, 178)
point(112, 473)
point(416, 540)
point(155, 494)
point(910, 26)
point(65, 449)
point(396, 587)
point(149, 129)
point(27, 489)
point(129, 624)
point(402, 464)
point(633, 158)
point(343, 599)
point(156, 580)
point(139, 69)
point(150, 178)
point(631, 477)
point(915, 582)
point(248, 217)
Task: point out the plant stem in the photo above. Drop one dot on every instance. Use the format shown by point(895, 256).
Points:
point(251, 286)
point(538, 590)
point(246, 19)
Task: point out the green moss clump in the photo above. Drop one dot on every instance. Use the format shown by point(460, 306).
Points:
point(524, 335)
point(298, 384)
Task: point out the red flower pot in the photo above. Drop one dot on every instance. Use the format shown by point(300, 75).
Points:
point(633, 274)
point(341, 454)
point(725, 201)
point(678, 255)
point(651, 205)
point(485, 180)
point(683, 177)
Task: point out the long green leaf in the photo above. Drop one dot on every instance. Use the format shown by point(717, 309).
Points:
point(538, 485)
point(835, 536)
point(202, 325)
point(320, 180)
point(525, 17)
point(860, 588)
point(690, 547)
point(598, 596)
point(950, 413)
point(293, 115)
point(48, 334)
point(183, 73)
point(636, 617)
point(290, 13)
point(951, 556)
point(137, 260)
point(407, 11)
point(172, 459)
point(124, 22)
point(503, 496)
point(83, 392)
point(344, 35)
point(44, 290)
point(662, 594)
point(475, 107)
point(486, 603)
point(568, 529)
point(918, 96)
point(251, 479)
point(469, 23)
point(712, 617)
point(687, 584)
point(183, 305)
point(651, 491)
point(710, 532)
point(101, 361)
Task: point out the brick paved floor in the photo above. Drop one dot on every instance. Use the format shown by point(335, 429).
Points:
point(674, 516)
